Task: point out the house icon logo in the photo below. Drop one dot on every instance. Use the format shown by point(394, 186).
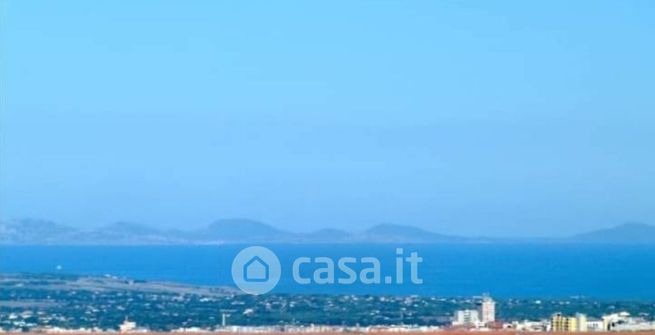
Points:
point(256, 270)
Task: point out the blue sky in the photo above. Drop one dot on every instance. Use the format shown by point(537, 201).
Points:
point(499, 118)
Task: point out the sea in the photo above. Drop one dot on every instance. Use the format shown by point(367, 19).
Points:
point(617, 272)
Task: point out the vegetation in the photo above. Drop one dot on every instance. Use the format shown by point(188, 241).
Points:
point(29, 301)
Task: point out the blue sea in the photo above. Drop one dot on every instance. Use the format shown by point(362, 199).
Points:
point(502, 270)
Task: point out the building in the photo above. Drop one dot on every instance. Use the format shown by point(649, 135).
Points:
point(624, 322)
point(130, 327)
point(127, 326)
point(487, 310)
point(610, 321)
point(595, 325)
point(581, 321)
point(466, 317)
point(560, 323)
point(527, 326)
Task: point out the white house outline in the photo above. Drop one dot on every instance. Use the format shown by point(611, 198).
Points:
point(256, 260)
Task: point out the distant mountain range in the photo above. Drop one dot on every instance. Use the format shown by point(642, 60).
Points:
point(42, 232)
point(629, 232)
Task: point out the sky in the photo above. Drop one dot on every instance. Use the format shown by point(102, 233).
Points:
point(495, 118)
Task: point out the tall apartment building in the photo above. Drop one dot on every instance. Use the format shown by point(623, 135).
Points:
point(487, 310)
point(561, 323)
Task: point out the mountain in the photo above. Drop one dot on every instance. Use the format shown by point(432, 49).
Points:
point(125, 233)
point(405, 234)
point(241, 230)
point(32, 231)
point(631, 232)
point(43, 232)
point(220, 231)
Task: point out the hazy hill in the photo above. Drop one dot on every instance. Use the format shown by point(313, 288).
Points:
point(626, 233)
point(32, 231)
point(241, 230)
point(124, 233)
point(43, 232)
point(406, 234)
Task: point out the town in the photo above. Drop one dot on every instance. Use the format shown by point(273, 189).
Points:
point(66, 303)
point(484, 319)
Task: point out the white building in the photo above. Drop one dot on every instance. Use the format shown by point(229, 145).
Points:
point(487, 310)
point(624, 322)
point(635, 326)
point(611, 320)
point(127, 326)
point(527, 326)
point(466, 317)
point(581, 322)
point(130, 327)
point(595, 325)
